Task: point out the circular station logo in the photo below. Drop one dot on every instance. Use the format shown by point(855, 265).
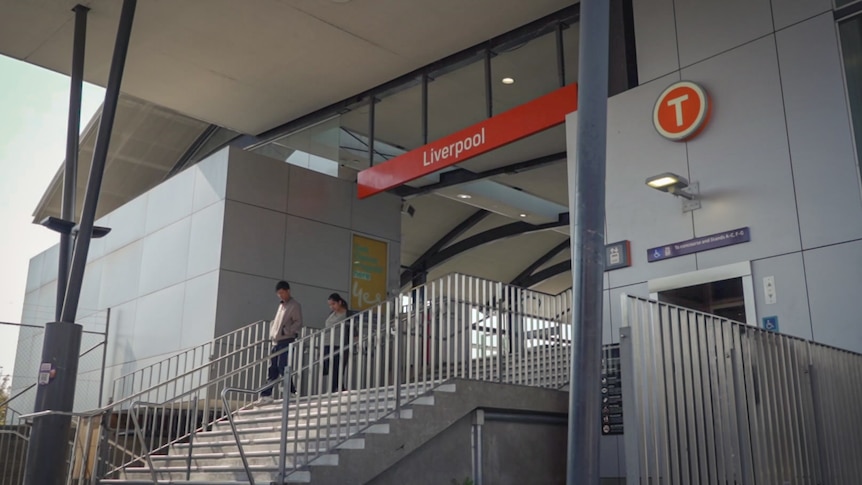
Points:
point(681, 111)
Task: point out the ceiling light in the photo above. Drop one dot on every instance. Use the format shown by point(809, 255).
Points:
point(464, 196)
point(523, 215)
point(508, 80)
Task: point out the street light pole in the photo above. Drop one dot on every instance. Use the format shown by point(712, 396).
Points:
point(587, 205)
point(47, 449)
point(70, 176)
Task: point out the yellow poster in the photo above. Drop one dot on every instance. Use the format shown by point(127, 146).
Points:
point(368, 273)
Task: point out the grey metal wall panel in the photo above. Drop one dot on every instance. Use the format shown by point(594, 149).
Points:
point(319, 197)
point(165, 257)
point(199, 312)
point(205, 240)
point(313, 300)
point(741, 160)
point(317, 254)
point(706, 28)
point(791, 297)
point(210, 179)
point(127, 223)
point(655, 38)
point(787, 12)
point(821, 144)
point(49, 269)
point(634, 211)
point(252, 298)
point(257, 180)
point(375, 215)
point(834, 279)
point(253, 240)
point(167, 202)
point(159, 322)
point(121, 275)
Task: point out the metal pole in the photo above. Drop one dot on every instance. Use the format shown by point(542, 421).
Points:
point(97, 169)
point(104, 356)
point(63, 339)
point(587, 203)
point(73, 129)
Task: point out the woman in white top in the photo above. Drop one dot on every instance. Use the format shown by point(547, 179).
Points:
point(334, 356)
point(339, 309)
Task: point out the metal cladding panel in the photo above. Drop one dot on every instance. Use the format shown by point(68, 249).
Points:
point(790, 295)
point(834, 278)
point(655, 39)
point(705, 29)
point(789, 12)
point(741, 159)
point(828, 196)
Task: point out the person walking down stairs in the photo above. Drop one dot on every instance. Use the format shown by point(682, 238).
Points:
point(283, 331)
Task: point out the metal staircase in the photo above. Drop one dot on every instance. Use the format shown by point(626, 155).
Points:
point(190, 420)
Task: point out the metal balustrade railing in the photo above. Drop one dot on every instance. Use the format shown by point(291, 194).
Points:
point(194, 362)
point(375, 361)
point(14, 436)
point(455, 327)
point(713, 401)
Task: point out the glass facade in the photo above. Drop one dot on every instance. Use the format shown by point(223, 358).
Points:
point(444, 97)
point(850, 32)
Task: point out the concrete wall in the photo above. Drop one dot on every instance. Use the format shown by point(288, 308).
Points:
point(777, 156)
point(199, 255)
point(513, 454)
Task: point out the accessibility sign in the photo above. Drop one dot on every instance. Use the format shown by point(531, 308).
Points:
point(696, 245)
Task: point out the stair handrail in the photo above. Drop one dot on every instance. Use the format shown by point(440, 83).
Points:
point(202, 351)
point(381, 321)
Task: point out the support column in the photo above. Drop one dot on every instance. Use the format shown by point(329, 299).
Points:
point(48, 447)
point(587, 205)
point(70, 176)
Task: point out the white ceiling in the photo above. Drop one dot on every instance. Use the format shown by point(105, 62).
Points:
point(252, 65)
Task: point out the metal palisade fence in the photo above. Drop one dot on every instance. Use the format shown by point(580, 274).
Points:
point(713, 401)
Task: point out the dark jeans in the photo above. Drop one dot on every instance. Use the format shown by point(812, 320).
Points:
point(335, 367)
point(276, 366)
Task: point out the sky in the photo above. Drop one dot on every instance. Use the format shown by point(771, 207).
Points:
point(34, 108)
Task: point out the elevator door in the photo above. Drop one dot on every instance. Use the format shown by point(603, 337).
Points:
point(724, 298)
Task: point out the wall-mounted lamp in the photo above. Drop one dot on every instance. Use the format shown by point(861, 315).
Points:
point(677, 185)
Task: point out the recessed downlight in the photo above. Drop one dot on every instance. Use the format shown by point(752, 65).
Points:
point(465, 196)
point(523, 215)
point(508, 80)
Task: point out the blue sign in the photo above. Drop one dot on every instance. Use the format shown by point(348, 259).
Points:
point(699, 244)
point(770, 323)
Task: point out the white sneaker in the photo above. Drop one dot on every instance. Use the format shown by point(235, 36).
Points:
point(263, 401)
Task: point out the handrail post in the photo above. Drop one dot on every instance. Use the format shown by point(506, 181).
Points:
point(285, 406)
point(140, 435)
point(397, 359)
point(194, 427)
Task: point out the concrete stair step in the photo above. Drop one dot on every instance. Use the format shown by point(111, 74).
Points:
point(262, 474)
point(296, 453)
point(255, 442)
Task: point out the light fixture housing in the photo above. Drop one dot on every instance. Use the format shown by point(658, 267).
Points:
point(678, 186)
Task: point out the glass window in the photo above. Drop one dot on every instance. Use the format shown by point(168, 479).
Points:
point(398, 122)
point(851, 45)
point(353, 136)
point(842, 3)
point(456, 98)
point(571, 45)
point(314, 148)
point(524, 71)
